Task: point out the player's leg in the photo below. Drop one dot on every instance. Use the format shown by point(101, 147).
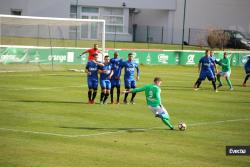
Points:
point(227, 76)
point(211, 77)
point(246, 78)
point(90, 90)
point(218, 79)
point(95, 87)
point(108, 87)
point(133, 85)
point(103, 86)
point(112, 94)
point(162, 113)
point(118, 94)
point(197, 84)
point(127, 88)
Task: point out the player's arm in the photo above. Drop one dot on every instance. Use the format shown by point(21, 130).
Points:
point(136, 90)
point(215, 67)
point(87, 69)
point(137, 72)
point(199, 67)
point(98, 63)
point(86, 51)
point(111, 74)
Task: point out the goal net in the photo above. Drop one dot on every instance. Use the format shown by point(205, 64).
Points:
point(51, 33)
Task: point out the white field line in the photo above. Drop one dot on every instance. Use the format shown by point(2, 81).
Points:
point(120, 131)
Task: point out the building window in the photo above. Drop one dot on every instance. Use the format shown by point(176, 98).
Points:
point(73, 11)
point(17, 12)
point(114, 20)
point(90, 10)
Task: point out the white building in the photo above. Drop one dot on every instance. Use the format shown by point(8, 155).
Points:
point(128, 20)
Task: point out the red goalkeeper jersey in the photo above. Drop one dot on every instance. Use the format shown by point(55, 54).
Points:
point(91, 52)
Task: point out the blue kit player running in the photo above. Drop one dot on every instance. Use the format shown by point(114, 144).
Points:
point(129, 80)
point(247, 70)
point(115, 80)
point(92, 71)
point(106, 73)
point(205, 71)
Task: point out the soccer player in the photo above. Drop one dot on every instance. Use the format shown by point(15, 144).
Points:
point(247, 70)
point(92, 71)
point(214, 62)
point(115, 80)
point(106, 73)
point(92, 52)
point(205, 70)
point(129, 80)
point(153, 98)
point(225, 71)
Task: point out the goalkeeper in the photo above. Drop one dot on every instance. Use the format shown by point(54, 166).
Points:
point(153, 98)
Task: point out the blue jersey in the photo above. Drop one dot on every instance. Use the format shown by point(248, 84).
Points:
point(116, 65)
point(130, 67)
point(92, 69)
point(247, 65)
point(107, 71)
point(206, 63)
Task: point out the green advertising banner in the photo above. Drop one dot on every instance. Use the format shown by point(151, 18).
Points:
point(72, 56)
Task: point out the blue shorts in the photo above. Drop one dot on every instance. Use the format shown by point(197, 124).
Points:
point(92, 83)
point(207, 74)
point(247, 70)
point(105, 84)
point(130, 84)
point(115, 82)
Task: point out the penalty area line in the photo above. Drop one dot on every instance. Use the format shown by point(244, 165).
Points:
point(114, 132)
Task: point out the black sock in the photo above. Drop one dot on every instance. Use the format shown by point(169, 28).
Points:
point(89, 94)
point(133, 96)
point(118, 94)
point(214, 84)
point(106, 97)
point(246, 78)
point(199, 83)
point(112, 94)
point(94, 95)
point(102, 95)
point(125, 97)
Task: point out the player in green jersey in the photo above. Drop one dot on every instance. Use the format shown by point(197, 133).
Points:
point(153, 98)
point(225, 70)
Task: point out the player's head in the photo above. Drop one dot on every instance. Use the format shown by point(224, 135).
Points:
point(130, 56)
point(95, 56)
point(225, 54)
point(106, 59)
point(95, 46)
point(157, 81)
point(116, 54)
point(207, 52)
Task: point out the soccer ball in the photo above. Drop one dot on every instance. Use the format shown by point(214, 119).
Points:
point(182, 126)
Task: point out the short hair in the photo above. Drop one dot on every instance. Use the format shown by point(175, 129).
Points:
point(207, 50)
point(95, 54)
point(130, 54)
point(107, 56)
point(157, 79)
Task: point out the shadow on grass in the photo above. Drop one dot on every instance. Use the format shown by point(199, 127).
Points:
point(130, 130)
point(46, 101)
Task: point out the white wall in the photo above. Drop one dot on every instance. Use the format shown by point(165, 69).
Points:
point(142, 4)
point(46, 8)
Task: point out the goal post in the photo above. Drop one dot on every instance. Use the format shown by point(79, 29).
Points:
point(51, 32)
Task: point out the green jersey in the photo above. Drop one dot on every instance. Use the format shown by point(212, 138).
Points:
point(225, 64)
point(152, 92)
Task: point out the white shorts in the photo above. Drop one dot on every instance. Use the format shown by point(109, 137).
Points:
point(159, 110)
point(225, 74)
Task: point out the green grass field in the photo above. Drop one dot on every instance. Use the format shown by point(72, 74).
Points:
point(45, 121)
